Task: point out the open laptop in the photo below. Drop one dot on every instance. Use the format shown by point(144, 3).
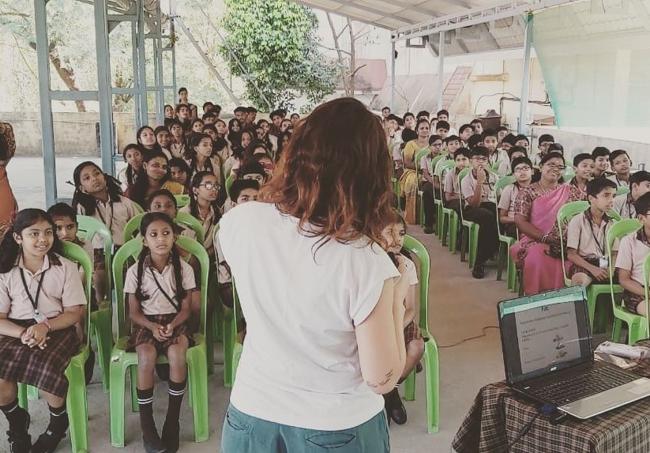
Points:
point(548, 355)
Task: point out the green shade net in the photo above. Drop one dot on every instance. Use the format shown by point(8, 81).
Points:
point(595, 58)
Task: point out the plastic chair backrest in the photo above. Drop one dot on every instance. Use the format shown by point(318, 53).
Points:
point(77, 254)
point(617, 231)
point(564, 215)
point(90, 227)
point(182, 218)
point(188, 220)
point(131, 250)
point(568, 174)
point(229, 180)
point(646, 282)
point(441, 168)
point(622, 190)
point(182, 200)
point(416, 248)
point(138, 208)
point(614, 215)
point(502, 183)
point(419, 155)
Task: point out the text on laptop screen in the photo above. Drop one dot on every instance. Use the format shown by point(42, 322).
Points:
point(544, 333)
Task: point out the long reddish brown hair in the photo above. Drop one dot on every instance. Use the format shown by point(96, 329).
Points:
point(334, 175)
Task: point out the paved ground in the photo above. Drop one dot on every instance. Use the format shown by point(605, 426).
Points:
point(459, 308)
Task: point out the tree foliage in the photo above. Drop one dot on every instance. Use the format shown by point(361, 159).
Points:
point(276, 44)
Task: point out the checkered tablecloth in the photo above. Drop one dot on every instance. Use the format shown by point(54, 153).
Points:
point(498, 415)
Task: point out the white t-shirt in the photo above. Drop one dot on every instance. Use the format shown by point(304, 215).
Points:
point(300, 362)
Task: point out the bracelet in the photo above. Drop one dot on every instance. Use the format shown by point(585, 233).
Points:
point(47, 324)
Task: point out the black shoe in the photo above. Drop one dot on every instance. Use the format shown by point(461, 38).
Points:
point(89, 366)
point(154, 447)
point(396, 409)
point(428, 230)
point(170, 436)
point(418, 367)
point(47, 442)
point(162, 370)
point(478, 271)
point(19, 439)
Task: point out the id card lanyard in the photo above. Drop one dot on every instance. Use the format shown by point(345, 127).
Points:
point(171, 300)
point(603, 261)
point(38, 316)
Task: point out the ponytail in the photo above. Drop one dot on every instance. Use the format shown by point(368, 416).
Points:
point(141, 259)
point(9, 251)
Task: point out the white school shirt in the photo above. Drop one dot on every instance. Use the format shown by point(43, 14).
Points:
point(631, 256)
point(300, 361)
point(115, 215)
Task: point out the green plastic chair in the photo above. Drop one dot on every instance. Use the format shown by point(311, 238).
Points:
point(469, 232)
point(636, 324)
point(182, 218)
point(505, 241)
point(76, 400)
point(123, 361)
point(622, 190)
point(138, 208)
point(431, 359)
point(442, 216)
point(568, 174)
point(182, 200)
point(564, 215)
point(229, 180)
point(101, 321)
point(646, 273)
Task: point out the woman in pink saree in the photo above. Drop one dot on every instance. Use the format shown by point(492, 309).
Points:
point(536, 208)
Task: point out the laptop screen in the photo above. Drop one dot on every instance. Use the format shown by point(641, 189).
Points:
point(544, 333)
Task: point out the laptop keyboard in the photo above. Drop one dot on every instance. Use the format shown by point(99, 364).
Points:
point(586, 383)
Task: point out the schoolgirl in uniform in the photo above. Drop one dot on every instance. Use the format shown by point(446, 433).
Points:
point(201, 157)
point(158, 289)
point(41, 300)
point(153, 176)
point(99, 195)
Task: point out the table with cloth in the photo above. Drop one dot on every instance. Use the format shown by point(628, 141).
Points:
point(498, 415)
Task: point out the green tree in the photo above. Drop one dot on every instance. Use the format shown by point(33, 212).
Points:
point(272, 45)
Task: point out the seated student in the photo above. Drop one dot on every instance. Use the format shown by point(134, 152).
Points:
point(163, 138)
point(242, 191)
point(133, 158)
point(587, 235)
point(621, 164)
point(429, 182)
point(158, 289)
point(557, 147)
point(639, 185)
point(601, 161)
point(442, 115)
point(543, 142)
point(451, 144)
point(477, 190)
point(522, 168)
point(406, 136)
point(522, 140)
point(251, 170)
point(202, 157)
point(41, 301)
point(99, 195)
point(465, 132)
point(583, 166)
point(508, 142)
point(154, 175)
point(477, 124)
point(632, 252)
point(495, 156)
point(422, 114)
point(65, 219)
point(205, 200)
point(502, 132)
point(451, 185)
point(513, 152)
point(475, 140)
point(442, 129)
point(179, 172)
point(393, 242)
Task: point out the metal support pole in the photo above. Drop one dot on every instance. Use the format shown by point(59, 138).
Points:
point(158, 56)
point(441, 68)
point(47, 122)
point(140, 62)
point(172, 32)
point(104, 87)
point(525, 80)
point(392, 76)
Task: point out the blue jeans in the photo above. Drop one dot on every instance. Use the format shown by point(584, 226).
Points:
point(245, 434)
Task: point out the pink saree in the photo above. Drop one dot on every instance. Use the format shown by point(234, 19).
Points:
point(541, 272)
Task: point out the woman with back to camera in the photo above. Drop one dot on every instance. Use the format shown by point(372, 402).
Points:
point(323, 303)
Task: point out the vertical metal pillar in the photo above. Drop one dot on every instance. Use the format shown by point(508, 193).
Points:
point(392, 76)
point(140, 62)
point(525, 80)
point(47, 122)
point(172, 33)
point(441, 68)
point(158, 59)
point(104, 87)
